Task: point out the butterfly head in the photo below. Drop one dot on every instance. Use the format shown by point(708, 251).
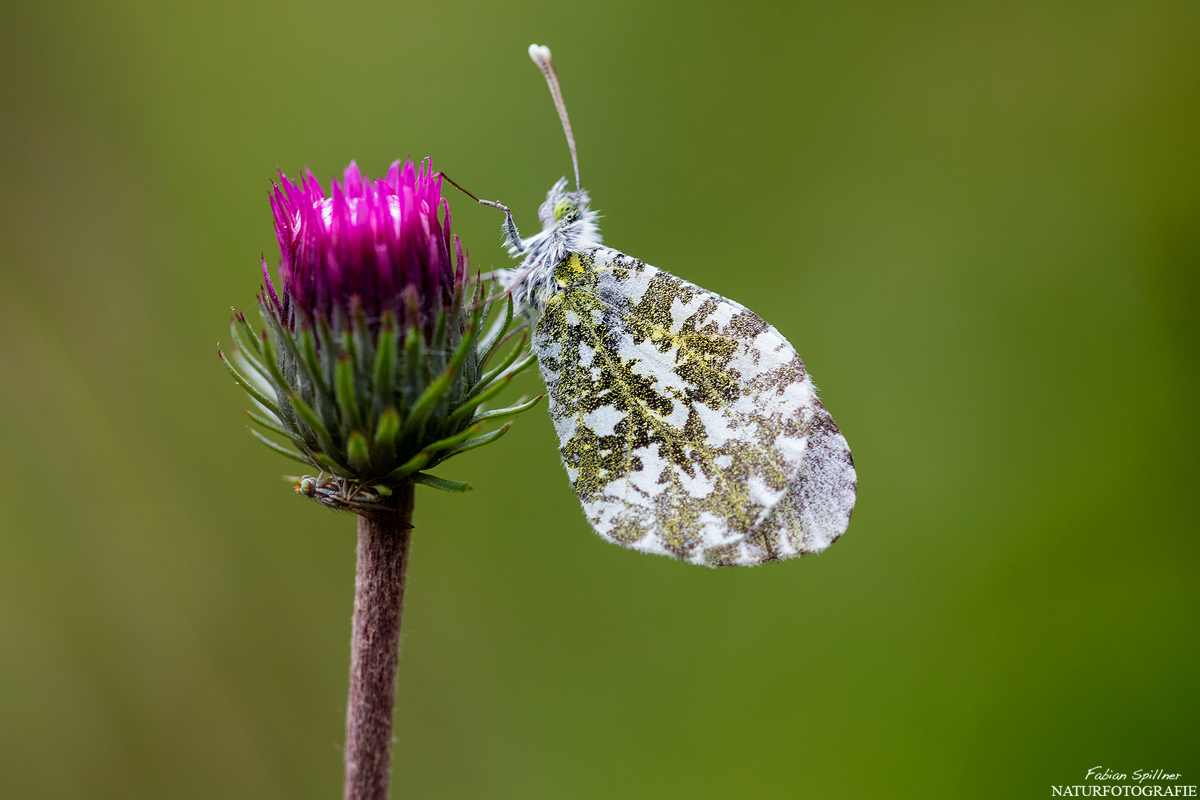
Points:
point(568, 218)
point(563, 208)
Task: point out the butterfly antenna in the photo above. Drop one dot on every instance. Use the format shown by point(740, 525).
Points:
point(541, 57)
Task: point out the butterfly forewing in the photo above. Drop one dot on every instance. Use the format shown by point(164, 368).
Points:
point(687, 424)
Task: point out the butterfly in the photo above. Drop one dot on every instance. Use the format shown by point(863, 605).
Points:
point(687, 424)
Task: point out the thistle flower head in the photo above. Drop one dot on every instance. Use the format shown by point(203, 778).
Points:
point(372, 240)
point(373, 366)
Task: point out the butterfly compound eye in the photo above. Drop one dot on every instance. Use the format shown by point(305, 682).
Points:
point(562, 208)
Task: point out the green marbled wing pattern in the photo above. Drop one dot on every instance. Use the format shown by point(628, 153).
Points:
point(688, 425)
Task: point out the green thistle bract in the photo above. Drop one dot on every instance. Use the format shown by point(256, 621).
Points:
point(373, 364)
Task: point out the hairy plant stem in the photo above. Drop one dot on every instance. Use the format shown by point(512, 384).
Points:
point(375, 647)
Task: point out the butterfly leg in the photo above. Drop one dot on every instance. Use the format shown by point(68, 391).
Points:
point(510, 226)
point(510, 284)
point(511, 233)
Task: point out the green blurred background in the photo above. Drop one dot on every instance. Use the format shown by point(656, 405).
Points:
point(979, 224)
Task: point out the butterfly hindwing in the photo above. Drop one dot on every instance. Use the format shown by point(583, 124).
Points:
point(687, 424)
point(816, 509)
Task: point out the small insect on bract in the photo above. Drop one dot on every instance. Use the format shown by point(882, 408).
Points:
point(688, 426)
point(342, 494)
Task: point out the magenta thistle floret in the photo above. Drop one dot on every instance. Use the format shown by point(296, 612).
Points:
point(373, 240)
point(373, 364)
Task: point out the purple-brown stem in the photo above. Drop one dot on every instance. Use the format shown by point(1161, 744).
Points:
point(375, 647)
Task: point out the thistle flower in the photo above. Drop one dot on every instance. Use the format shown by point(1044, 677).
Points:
point(373, 368)
point(373, 365)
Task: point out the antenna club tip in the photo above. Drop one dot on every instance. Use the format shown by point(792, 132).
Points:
point(539, 53)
